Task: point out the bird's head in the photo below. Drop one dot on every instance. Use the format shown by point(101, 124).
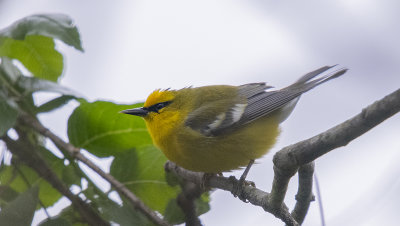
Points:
point(156, 103)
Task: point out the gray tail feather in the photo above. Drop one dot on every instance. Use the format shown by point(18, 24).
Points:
point(308, 81)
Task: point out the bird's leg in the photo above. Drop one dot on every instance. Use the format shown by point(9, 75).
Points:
point(246, 171)
point(239, 185)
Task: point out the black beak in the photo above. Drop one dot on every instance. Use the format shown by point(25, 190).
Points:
point(136, 111)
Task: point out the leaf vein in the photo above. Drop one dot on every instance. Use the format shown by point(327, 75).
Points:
point(109, 133)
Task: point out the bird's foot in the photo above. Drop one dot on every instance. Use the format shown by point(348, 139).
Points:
point(240, 184)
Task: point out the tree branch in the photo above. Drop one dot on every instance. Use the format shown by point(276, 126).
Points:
point(27, 153)
point(251, 194)
point(308, 150)
point(304, 195)
point(75, 153)
point(289, 159)
point(190, 192)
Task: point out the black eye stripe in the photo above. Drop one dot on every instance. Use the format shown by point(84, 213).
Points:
point(158, 106)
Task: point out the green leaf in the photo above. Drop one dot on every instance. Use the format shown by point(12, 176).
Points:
point(173, 213)
point(124, 165)
point(36, 53)
point(20, 211)
point(10, 71)
point(8, 116)
point(48, 195)
point(6, 174)
point(99, 128)
point(58, 26)
point(68, 216)
point(55, 222)
point(54, 104)
point(7, 194)
point(123, 215)
point(30, 85)
point(111, 211)
point(16, 181)
point(203, 204)
point(71, 175)
point(142, 171)
point(19, 177)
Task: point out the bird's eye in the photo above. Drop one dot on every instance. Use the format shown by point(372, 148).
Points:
point(159, 106)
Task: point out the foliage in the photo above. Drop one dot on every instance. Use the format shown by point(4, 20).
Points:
point(20, 211)
point(96, 127)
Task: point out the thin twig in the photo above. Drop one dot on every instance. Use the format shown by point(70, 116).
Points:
point(321, 207)
point(75, 153)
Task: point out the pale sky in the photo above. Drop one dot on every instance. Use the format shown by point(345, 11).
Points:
point(134, 47)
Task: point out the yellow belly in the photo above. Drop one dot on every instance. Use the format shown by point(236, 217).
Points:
point(194, 151)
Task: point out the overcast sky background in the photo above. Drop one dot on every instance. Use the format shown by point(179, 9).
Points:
point(134, 47)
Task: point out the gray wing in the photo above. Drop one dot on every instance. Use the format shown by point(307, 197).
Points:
point(261, 102)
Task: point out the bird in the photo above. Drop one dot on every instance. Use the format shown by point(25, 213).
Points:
point(220, 128)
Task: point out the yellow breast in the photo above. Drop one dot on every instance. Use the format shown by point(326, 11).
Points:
point(212, 154)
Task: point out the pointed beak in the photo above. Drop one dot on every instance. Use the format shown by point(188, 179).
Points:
point(136, 111)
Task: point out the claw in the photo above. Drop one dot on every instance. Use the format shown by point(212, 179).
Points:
point(241, 183)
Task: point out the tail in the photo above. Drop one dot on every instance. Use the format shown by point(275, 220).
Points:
point(261, 102)
point(310, 80)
